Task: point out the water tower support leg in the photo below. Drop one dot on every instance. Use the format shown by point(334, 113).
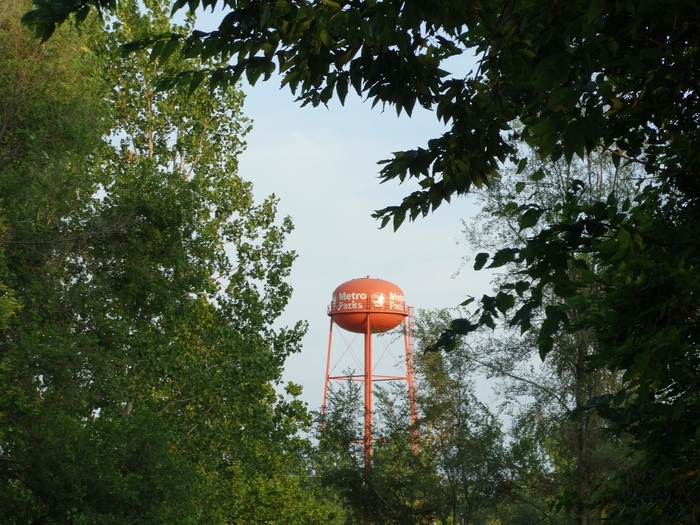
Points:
point(368, 415)
point(368, 394)
point(328, 369)
point(410, 377)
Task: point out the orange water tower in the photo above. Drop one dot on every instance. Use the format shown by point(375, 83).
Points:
point(371, 306)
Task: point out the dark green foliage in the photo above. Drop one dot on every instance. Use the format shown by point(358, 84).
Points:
point(137, 357)
point(617, 272)
point(576, 75)
point(566, 77)
point(638, 303)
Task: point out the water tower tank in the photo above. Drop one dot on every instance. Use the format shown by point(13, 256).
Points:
point(354, 300)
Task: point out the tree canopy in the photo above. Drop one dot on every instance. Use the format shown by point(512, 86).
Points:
point(141, 281)
point(576, 75)
point(449, 465)
point(564, 78)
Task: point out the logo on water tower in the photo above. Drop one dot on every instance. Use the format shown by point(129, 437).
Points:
point(378, 300)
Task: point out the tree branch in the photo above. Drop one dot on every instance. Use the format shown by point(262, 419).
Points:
point(524, 380)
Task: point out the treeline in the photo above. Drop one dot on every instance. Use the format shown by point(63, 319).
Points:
point(139, 284)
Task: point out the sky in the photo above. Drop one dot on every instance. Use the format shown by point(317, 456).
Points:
point(322, 165)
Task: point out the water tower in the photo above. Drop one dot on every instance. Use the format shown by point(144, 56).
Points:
point(371, 306)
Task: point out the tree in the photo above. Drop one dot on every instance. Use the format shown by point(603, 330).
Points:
point(451, 466)
point(543, 396)
point(139, 363)
point(40, 114)
point(606, 270)
point(339, 459)
point(620, 75)
point(461, 435)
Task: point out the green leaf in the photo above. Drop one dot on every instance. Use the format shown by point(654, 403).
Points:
point(342, 87)
point(588, 277)
point(521, 287)
point(530, 218)
point(446, 341)
point(595, 9)
point(511, 206)
point(463, 326)
point(501, 258)
point(467, 302)
point(326, 39)
point(157, 50)
point(522, 316)
point(399, 218)
point(545, 343)
point(522, 165)
point(624, 238)
point(538, 175)
point(487, 320)
point(197, 79)
point(480, 260)
point(168, 49)
point(265, 15)
point(520, 186)
point(504, 302)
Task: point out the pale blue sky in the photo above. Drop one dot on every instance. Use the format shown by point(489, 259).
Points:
point(321, 163)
